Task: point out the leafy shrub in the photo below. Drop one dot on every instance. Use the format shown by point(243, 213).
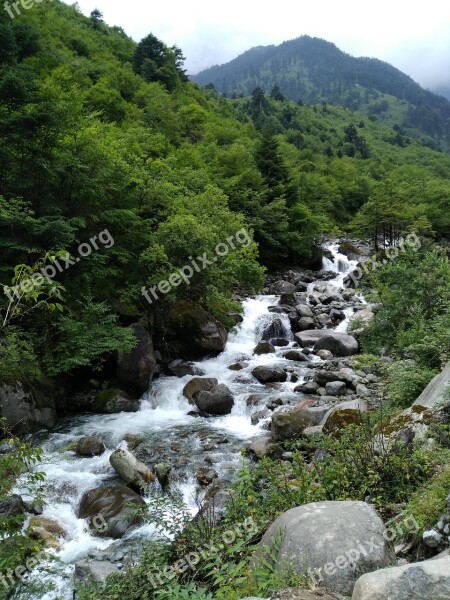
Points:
point(406, 380)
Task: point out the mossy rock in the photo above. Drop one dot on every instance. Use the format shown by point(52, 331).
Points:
point(194, 331)
point(288, 426)
point(341, 418)
point(104, 402)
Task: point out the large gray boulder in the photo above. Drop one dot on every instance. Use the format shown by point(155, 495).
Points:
point(193, 332)
point(264, 347)
point(90, 446)
point(111, 511)
point(427, 580)
point(197, 385)
point(135, 369)
point(303, 310)
point(333, 543)
point(283, 287)
point(129, 468)
point(269, 374)
point(437, 393)
point(218, 401)
point(339, 344)
point(26, 411)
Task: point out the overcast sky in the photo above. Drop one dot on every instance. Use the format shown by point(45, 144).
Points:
point(413, 36)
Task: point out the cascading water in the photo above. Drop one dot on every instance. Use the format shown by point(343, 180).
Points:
point(171, 434)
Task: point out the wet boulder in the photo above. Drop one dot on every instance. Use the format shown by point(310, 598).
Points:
point(240, 366)
point(275, 328)
point(264, 348)
point(296, 355)
point(180, 368)
point(129, 468)
point(162, 472)
point(306, 323)
point(205, 476)
point(90, 446)
point(218, 401)
point(260, 415)
point(135, 369)
point(111, 510)
point(197, 385)
point(269, 374)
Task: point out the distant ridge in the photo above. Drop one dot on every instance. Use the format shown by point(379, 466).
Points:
point(313, 70)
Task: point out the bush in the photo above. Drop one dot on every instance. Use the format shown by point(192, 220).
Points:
point(413, 318)
point(406, 380)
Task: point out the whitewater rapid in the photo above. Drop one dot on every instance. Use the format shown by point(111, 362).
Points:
point(164, 424)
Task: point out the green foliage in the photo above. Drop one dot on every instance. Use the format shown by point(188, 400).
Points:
point(18, 360)
point(84, 336)
point(405, 382)
point(314, 71)
point(357, 464)
point(17, 458)
point(428, 503)
point(413, 318)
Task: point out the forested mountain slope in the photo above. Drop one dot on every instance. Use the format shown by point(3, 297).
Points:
point(313, 70)
point(99, 133)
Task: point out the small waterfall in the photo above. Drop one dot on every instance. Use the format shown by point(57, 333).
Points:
point(273, 325)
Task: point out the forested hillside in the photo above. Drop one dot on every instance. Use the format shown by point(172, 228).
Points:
point(101, 134)
point(311, 70)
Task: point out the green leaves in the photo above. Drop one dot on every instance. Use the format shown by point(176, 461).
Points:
point(85, 335)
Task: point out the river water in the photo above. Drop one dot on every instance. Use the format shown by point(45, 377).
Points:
point(169, 434)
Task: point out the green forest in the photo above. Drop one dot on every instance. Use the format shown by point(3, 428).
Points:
point(312, 70)
point(118, 172)
point(100, 133)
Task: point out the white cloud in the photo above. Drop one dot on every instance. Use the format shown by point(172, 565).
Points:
point(412, 36)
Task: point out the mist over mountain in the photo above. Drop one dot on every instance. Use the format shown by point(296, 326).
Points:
point(443, 90)
point(313, 71)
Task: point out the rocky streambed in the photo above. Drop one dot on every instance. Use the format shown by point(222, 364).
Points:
point(286, 369)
